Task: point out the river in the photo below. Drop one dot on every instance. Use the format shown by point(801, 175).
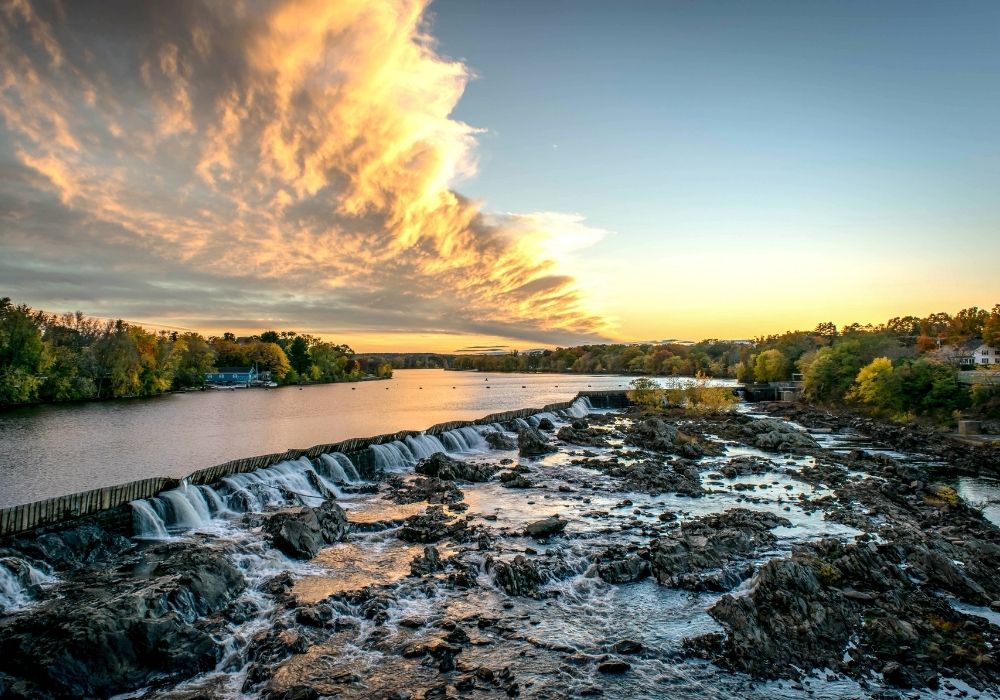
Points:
point(54, 450)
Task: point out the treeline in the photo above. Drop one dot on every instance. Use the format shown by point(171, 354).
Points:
point(66, 357)
point(903, 374)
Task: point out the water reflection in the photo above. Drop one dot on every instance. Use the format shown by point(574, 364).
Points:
point(55, 450)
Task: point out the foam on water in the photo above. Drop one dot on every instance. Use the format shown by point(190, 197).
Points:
point(293, 482)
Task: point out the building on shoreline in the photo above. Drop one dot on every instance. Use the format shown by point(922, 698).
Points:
point(232, 376)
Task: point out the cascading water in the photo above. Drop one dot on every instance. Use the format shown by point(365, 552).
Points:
point(294, 482)
point(16, 577)
point(467, 439)
point(580, 408)
point(338, 468)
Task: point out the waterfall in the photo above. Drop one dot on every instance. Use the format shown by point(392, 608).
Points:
point(423, 446)
point(294, 482)
point(338, 468)
point(393, 456)
point(16, 576)
point(580, 408)
point(467, 439)
point(146, 522)
point(521, 423)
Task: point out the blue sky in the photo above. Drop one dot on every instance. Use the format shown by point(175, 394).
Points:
point(840, 133)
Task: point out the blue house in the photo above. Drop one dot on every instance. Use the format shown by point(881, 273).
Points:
point(232, 376)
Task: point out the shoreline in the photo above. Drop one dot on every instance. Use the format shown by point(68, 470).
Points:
point(584, 556)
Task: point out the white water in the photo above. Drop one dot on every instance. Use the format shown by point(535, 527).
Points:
point(14, 584)
point(294, 482)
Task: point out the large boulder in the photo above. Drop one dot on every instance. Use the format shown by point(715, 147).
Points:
point(588, 437)
point(711, 553)
point(531, 443)
point(499, 441)
point(778, 436)
point(541, 529)
point(441, 466)
point(653, 433)
point(301, 532)
point(157, 618)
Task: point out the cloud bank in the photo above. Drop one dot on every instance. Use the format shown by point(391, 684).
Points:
point(252, 164)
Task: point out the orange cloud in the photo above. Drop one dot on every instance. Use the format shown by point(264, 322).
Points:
point(304, 150)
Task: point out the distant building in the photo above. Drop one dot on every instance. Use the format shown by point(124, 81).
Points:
point(962, 355)
point(986, 355)
point(232, 376)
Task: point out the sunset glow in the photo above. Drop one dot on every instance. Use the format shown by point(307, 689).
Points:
point(246, 166)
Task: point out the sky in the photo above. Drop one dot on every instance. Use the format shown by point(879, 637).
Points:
point(400, 175)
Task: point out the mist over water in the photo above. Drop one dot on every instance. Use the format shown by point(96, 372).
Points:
point(56, 450)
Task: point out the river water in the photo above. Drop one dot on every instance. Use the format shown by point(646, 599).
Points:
point(55, 450)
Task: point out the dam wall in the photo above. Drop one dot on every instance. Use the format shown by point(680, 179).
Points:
point(108, 506)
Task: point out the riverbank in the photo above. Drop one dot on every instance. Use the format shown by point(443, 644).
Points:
point(561, 555)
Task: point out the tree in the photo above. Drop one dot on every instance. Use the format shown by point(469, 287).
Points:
point(22, 353)
point(195, 358)
point(647, 394)
point(771, 366)
point(876, 385)
point(991, 328)
point(298, 356)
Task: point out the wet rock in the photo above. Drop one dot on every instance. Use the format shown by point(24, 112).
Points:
point(123, 627)
point(431, 490)
point(688, 558)
point(590, 437)
point(653, 433)
point(520, 576)
point(499, 441)
point(541, 529)
point(531, 443)
point(546, 424)
point(301, 532)
point(78, 547)
point(441, 466)
point(428, 563)
point(430, 526)
point(627, 646)
point(614, 666)
point(778, 436)
point(515, 480)
point(654, 476)
point(617, 565)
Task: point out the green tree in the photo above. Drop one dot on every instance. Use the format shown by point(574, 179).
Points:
point(771, 366)
point(647, 394)
point(195, 359)
point(298, 355)
point(877, 385)
point(22, 353)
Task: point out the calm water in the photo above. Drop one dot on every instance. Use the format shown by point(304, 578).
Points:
point(56, 450)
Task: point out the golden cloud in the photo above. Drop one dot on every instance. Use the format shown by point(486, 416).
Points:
point(302, 149)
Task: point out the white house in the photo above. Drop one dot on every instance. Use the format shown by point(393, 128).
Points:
point(986, 355)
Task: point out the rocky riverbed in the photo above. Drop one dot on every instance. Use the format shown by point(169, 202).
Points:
point(610, 555)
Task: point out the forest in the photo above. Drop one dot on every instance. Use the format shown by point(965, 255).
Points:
point(70, 357)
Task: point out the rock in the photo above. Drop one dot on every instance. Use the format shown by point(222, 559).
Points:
point(515, 480)
point(531, 443)
point(712, 542)
point(301, 532)
point(614, 666)
point(441, 466)
point(123, 628)
point(627, 646)
point(616, 565)
point(653, 433)
point(428, 563)
point(430, 526)
point(78, 547)
point(541, 529)
point(779, 436)
point(499, 441)
point(590, 437)
point(428, 489)
point(995, 606)
point(546, 424)
point(524, 577)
